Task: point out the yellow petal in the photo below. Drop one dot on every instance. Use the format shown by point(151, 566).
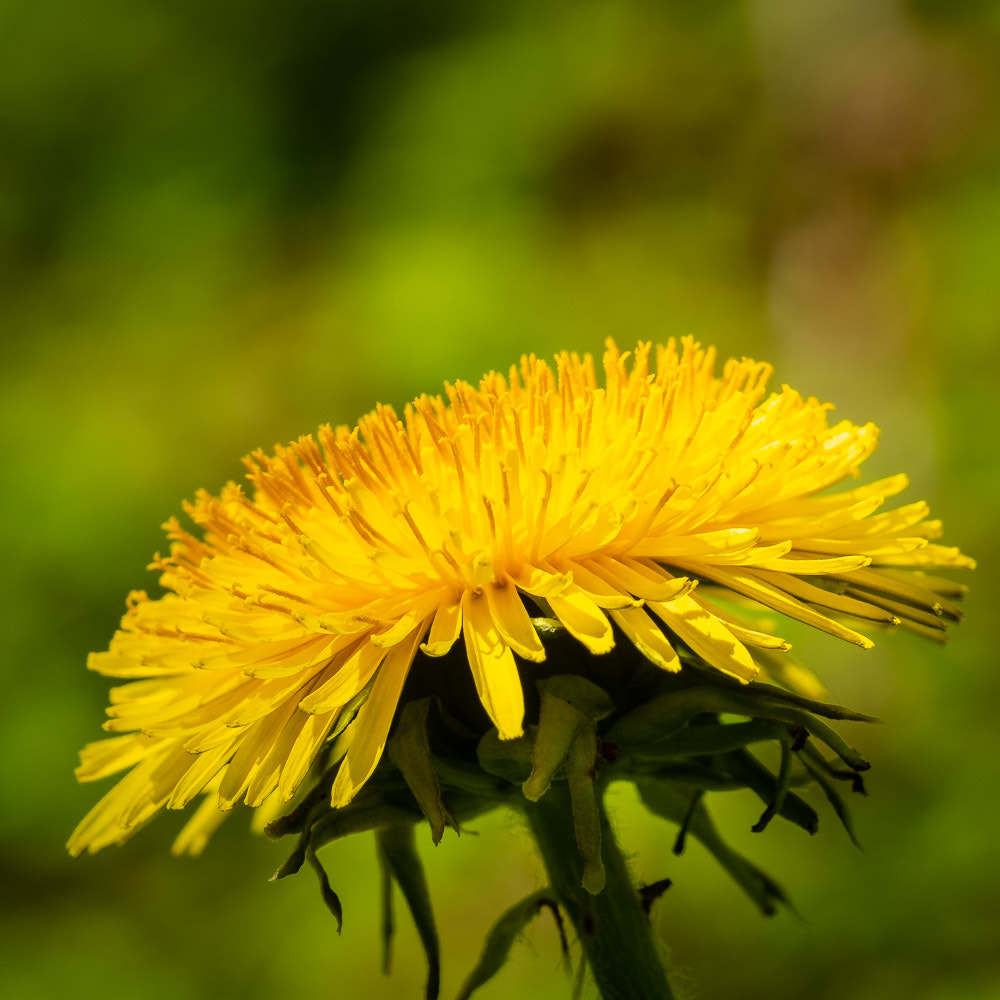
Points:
point(398, 631)
point(304, 748)
point(707, 636)
point(728, 540)
point(643, 580)
point(493, 668)
point(98, 760)
point(202, 769)
point(199, 828)
point(446, 627)
point(344, 678)
point(749, 636)
point(541, 583)
point(602, 592)
point(371, 727)
point(811, 567)
point(513, 622)
point(641, 631)
point(584, 620)
point(806, 591)
point(746, 583)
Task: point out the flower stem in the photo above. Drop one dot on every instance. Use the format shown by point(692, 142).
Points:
point(612, 926)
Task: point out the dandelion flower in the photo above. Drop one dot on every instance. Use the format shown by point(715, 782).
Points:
point(644, 510)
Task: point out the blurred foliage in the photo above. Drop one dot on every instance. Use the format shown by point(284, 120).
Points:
point(227, 223)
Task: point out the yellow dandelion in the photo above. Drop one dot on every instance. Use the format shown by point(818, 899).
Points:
point(623, 510)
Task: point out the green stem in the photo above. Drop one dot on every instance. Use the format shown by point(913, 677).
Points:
point(612, 926)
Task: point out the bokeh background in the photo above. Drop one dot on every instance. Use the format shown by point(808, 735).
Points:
point(226, 223)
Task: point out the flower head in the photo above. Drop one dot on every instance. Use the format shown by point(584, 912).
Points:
point(626, 510)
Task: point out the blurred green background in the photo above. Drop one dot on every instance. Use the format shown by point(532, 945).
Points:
point(225, 223)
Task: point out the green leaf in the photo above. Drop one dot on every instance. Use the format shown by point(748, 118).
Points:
point(502, 936)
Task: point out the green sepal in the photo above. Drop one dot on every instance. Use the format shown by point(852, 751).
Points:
point(510, 759)
point(368, 811)
point(398, 852)
point(713, 738)
point(388, 924)
point(692, 775)
point(838, 773)
point(504, 933)
point(760, 690)
point(304, 813)
point(559, 724)
point(681, 839)
point(650, 893)
point(550, 627)
point(566, 739)
point(587, 698)
point(349, 712)
point(580, 764)
point(409, 749)
point(781, 789)
point(473, 780)
point(331, 899)
point(570, 707)
point(361, 816)
point(660, 717)
point(665, 800)
point(668, 713)
point(832, 796)
point(745, 768)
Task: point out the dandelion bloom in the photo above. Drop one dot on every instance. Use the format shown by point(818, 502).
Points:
point(622, 511)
